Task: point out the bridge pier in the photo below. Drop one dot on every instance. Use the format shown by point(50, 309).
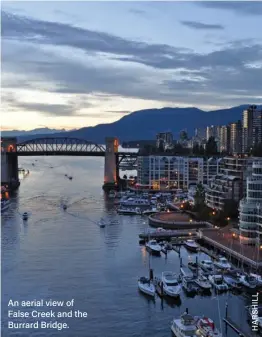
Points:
point(111, 174)
point(9, 163)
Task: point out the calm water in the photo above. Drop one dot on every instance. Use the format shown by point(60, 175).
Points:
point(64, 255)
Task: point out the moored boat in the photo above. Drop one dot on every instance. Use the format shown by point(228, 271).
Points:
point(4, 205)
point(218, 282)
point(206, 328)
point(25, 216)
point(222, 263)
point(153, 247)
point(191, 245)
point(135, 202)
point(129, 211)
point(248, 281)
point(184, 326)
point(207, 265)
point(171, 286)
point(150, 211)
point(146, 286)
point(202, 282)
point(232, 282)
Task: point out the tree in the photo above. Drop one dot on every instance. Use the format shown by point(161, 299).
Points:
point(211, 147)
point(124, 176)
point(230, 208)
point(183, 135)
point(199, 197)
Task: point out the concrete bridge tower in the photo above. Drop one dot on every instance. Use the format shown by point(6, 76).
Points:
point(111, 171)
point(9, 162)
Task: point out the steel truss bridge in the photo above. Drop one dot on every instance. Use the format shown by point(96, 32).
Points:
point(63, 146)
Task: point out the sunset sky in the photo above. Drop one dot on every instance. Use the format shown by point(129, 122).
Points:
point(74, 64)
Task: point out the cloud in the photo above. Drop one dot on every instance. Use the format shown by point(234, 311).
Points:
point(119, 111)
point(70, 60)
point(201, 26)
point(138, 11)
point(239, 7)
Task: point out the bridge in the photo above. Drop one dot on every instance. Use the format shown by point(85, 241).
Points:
point(65, 146)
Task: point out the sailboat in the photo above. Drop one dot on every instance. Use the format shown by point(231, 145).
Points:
point(146, 284)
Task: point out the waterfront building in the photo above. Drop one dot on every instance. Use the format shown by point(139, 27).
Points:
point(211, 168)
point(169, 172)
point(236, 137)
point(165, 139)
point(250, 208)
point(229, 183)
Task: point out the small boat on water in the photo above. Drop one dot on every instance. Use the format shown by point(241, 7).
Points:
point(258, 278)
point(206, 328)
point(191, 245)
point(150, 211)
point(232, 282)
point(64, 207)
point(184, 326)
point(153, 247)
point(129, 211)
point(5, 203)
point(146, 286)
point(218, 282)
point(248, 281)
point(207, 265)
point(171, 287)
point(25, 216)
point(202, 282)
point(65, 175)
point(135, 202)
point(70, 177)
point(222, 263)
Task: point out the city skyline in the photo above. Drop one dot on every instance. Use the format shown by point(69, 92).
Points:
point(69, 65)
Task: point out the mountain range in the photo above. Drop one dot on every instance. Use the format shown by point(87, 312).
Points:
point(144, 124)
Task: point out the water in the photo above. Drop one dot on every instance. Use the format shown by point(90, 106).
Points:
point(65, 255)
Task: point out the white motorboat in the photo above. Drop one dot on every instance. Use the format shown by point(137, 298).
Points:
point(207, 265)
point(206, 328)
point(186, 272)
point(146, 286)
point(153, 247)
point(232, 282)
point(129, 211)
point(171, 287)
point(222, 263)
point(150, 211)
point(258, 278)
point(218, 282)
point(191, 245)
point(25, 216)
point(184, 326)
point(4, 205)
point(189, 285)
point(248, 281)
point(135, 202)
point(203, 282)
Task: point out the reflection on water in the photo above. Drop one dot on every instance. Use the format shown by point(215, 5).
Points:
point(64, 254)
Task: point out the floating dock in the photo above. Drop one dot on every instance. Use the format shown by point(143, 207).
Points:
point(168, 234)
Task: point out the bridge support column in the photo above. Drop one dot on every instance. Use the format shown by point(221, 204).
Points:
point(9, 163)
point(110, 175)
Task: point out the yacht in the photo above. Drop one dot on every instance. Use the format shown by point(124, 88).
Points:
point(135, 202)
point(207, 265)
point(129, 211)
point(191, 245)
point(153, 247)
point(184, 326)
point(4, 204)
point(171, 287)
point(203, 282)
point(206, 328)
point(146, 286)
point(222, 263)
point(218, 282)
point(150, 211)
point(258, 278)
point(248, 281)
point(232, 282)
point(25, 216)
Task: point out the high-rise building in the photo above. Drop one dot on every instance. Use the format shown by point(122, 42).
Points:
point(210, 132)
point(164, 138)
point(236, 137)
point(247, 128)
point(257, 127)
point(224, 139)
point(250, 208)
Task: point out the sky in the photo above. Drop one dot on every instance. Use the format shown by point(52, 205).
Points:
point(77, 64)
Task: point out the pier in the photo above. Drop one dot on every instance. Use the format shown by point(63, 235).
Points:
point(168, 234)
point(229, 322)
